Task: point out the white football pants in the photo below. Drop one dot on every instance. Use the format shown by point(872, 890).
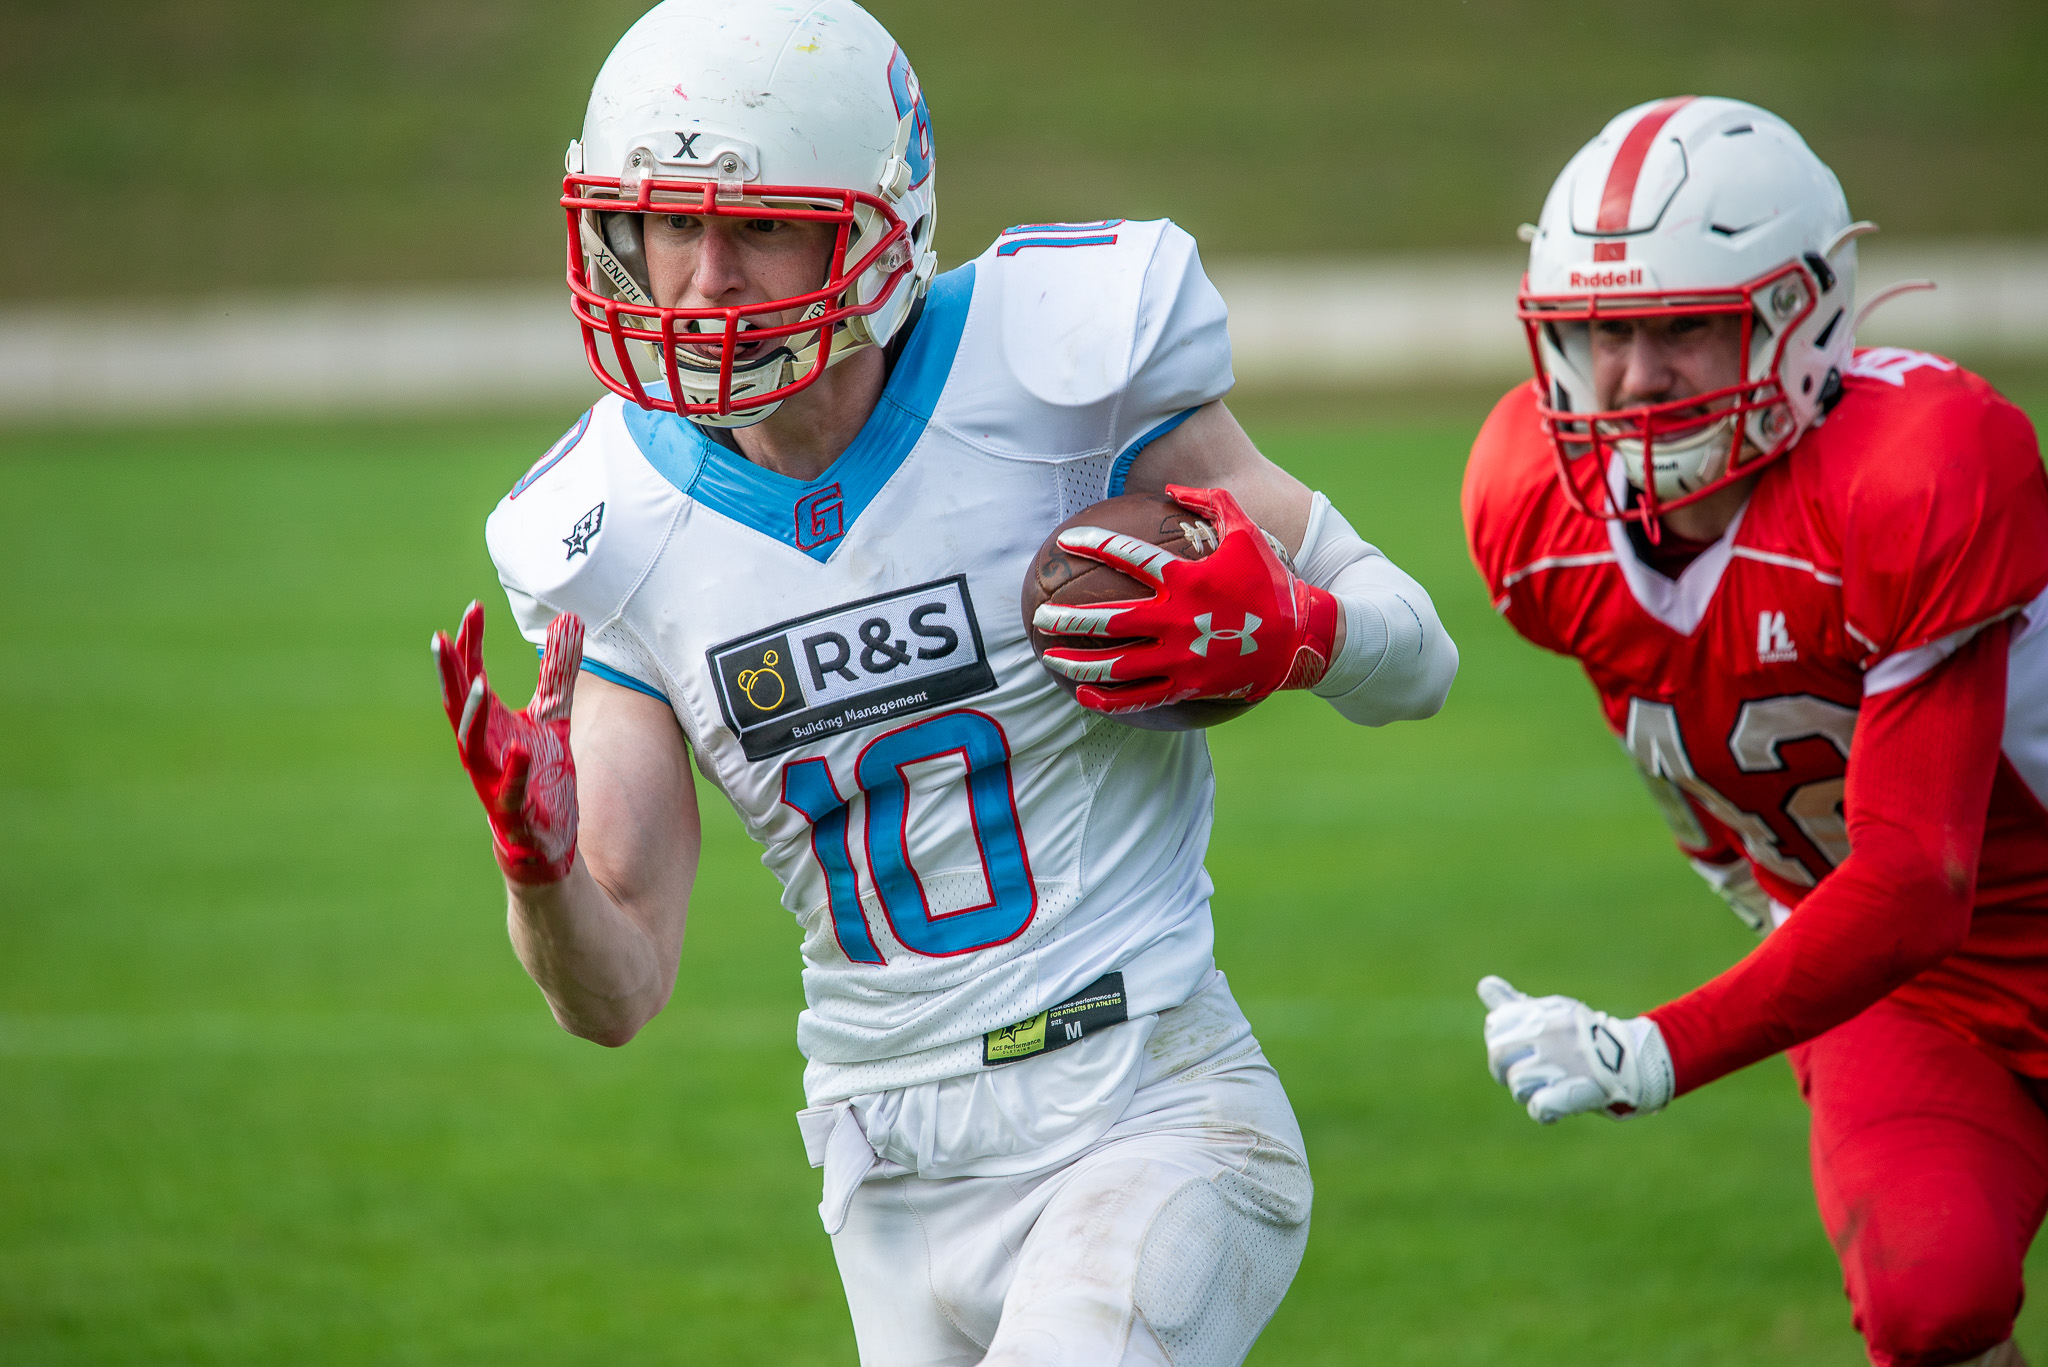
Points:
point(1169, 1240)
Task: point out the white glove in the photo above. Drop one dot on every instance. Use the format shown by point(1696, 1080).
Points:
point(1562, 1057)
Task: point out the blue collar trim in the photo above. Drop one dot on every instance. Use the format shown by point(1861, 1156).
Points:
point(814, 516)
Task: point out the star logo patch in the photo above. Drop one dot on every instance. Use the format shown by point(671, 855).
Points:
point(584, 532)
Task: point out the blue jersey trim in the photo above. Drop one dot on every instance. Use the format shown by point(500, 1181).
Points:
point(1100, 223)
point(1121, 466)
point(610, 675)
point(1016, 245)
point(814, 516)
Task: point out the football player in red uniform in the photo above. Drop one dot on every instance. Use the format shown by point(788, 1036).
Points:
point(1807, 582)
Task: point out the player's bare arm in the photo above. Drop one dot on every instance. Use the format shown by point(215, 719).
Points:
point(594, 823)
point(603, 943)
point(1212, 451)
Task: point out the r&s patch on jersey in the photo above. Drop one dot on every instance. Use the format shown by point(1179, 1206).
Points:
point(851, 666)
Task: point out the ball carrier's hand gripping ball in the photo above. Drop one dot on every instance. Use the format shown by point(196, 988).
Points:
point(753, 111)
point(519, 761)
point(1689, 207)
point(1175, 612)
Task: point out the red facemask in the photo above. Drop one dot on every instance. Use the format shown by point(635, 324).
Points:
point(621, 318)
point(1634, 434)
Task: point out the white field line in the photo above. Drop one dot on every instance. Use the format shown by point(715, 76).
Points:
point(1293, 322)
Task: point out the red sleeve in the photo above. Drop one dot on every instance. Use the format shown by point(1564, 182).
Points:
point(1918, 789)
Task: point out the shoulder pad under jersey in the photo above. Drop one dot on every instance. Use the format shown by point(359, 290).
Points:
point(579, 529)
point(1085, 338)
point(1930, 483)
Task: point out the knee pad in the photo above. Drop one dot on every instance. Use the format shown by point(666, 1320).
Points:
point(1220, 1255)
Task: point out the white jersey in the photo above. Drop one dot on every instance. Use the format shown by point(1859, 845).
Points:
point(963, 845)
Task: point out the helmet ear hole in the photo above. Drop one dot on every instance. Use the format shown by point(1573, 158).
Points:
point(1823, 273)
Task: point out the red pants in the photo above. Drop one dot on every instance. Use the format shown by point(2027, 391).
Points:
point(1930, 1165)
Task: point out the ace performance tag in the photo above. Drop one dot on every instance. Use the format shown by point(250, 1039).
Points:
point(1095, 1007)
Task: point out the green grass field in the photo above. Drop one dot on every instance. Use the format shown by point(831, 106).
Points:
point(275, 1090)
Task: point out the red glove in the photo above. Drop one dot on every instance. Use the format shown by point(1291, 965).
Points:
point(519, 761)
point(1235, 624)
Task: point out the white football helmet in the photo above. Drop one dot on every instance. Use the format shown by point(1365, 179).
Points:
point(746, 109)
point(1690, 206)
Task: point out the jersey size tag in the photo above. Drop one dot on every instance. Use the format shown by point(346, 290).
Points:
point(1094, 1007)
point(851, 666)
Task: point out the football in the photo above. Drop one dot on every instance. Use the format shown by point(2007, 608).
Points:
point(1059, 576)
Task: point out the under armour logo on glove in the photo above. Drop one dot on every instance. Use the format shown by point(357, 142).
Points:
point(1167, 656)
point(1242, 635)
point(519, 762)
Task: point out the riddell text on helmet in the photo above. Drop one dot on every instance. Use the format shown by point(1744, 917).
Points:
point(1607, 280)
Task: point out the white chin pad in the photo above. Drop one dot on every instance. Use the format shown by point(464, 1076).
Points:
point(1683, 464)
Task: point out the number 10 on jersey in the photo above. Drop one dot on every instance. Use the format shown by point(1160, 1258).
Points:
point(808, 786)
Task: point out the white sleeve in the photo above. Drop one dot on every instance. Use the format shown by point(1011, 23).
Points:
point(1398, 661)
point(571, 538)
point(1180, 352)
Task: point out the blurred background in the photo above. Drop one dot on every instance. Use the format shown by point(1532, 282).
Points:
point(280, 318)
point(240, 205)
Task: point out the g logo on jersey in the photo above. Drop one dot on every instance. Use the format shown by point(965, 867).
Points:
point(875, 660)
point(820, 517)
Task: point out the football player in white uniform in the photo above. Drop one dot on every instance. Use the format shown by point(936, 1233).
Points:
point(792, 542)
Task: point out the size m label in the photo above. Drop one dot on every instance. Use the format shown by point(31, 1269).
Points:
point(1095, 1007)
point(850, 666)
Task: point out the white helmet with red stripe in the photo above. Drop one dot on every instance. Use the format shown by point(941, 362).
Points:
point(1690, 206)
point(749, 109)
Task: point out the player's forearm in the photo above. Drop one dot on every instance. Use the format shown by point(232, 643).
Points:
point(1919, 785)
point(604, 973)
point(1395, 661)
point(1873, 926)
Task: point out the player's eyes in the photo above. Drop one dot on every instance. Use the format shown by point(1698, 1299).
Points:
point(766, 225)
point(680, 223)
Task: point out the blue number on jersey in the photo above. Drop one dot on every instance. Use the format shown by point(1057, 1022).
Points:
point(807, 786)
point(1013, 899)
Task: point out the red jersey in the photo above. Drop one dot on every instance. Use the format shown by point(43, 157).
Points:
point(1911, 519)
